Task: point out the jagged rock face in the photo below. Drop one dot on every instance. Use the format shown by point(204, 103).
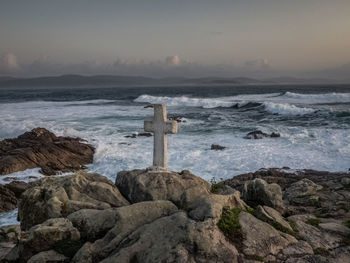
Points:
point(183, 189)
point(41, 148)
point(8, 200)
point(261, 238)
point(297, 192)
point(258, 192)
point(174, 238)
point(42, 237)
point(55, 197)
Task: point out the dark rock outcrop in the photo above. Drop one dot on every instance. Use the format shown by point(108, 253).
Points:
point(8, 200)
point(217, 147)
point(141, 134)
point(41, 148)
point(260, 135)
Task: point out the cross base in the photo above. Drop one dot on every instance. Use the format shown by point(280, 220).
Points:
point(157, 169)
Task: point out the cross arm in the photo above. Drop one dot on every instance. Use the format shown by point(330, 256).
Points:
point(170, 127)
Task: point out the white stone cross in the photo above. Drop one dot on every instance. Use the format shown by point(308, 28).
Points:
point(160, 126)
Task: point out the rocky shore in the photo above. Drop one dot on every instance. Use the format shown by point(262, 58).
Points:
point(40, 148)
point(272, 215)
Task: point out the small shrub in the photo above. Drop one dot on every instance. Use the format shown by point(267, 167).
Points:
point(67, 247)
point(313, 221)
point(216, 186)
point(254, 257)
point(229, 225)
point(282, 228)
point(321, 251)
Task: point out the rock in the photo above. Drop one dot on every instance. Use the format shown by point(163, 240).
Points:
point(10, 233)
point(8, 199)
point(174, 238)
point(49, 256)
point(210, 206)
point(260, 135)
point(18, 187)
point(43, 237)
point(258, 192)
point(177, 118)
point(94, 224)
point(142, 134)
point(314, 236)
point(261, 238)
point(336, 228)
point(217, 147)
point(5, 248)
point(297, 250)
point(271, 216)
point(345, 181)
point(59, 196)
point(301, 189)
point(41, 148)
point(128, 219)
point(183, 189)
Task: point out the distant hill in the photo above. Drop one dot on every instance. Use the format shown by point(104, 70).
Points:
point(111, 80)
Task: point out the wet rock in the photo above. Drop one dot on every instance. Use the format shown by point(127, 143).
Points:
point(217, 147)
point(260, 135)
point(142, 134)
point(177, 118)
point(8, 200)
point(41, 148)
point(54, 197)
point(258, 192)
point(18, 187)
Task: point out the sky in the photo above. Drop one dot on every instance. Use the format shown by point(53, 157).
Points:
point(193, 38)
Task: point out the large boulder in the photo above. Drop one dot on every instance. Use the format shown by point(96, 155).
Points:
point(261, 238)
point(183, 189)
point(56, 196)
point(259, 192)
point(302, 192)
point(43, 237)
point(94, 224)
point(41, 148)
point(174, 238)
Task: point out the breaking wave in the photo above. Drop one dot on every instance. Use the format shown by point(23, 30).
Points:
point(286, 109)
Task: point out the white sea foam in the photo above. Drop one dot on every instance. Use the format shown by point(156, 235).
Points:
point(28, 175)
point(286, 109)
point(318, 98)
point(9, 218)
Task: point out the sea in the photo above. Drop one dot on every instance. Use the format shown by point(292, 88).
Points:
point(313, 121)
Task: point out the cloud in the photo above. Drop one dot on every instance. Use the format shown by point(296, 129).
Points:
point(8, 63)
point(173, 60)
point(262, 63)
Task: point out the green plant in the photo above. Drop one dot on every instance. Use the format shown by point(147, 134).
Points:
point(229, 225)
point(67, 247)
point(216, 186)
point(313, 221)
point(282, 228)
point(254, 257)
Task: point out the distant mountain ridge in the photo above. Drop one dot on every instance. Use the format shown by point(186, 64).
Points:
point(113, 80)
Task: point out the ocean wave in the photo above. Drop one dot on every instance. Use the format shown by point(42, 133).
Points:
point(286, 109)
point(318, 98)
